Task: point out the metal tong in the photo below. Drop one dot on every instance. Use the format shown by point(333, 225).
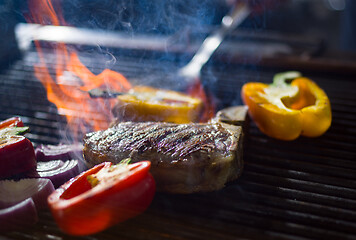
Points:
point(237, 15)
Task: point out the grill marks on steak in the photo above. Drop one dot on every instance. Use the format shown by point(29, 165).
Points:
point(185, 157)
point(180, 141)
point(166, 139)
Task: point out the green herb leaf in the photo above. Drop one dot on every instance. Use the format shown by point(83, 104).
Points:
point(125, 161)
point(10, 131)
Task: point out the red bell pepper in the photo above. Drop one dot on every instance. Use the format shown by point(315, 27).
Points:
point(102, 196)
point(11, 122)
point(17, 154)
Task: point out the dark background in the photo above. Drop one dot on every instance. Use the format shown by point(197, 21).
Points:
point(331, 20)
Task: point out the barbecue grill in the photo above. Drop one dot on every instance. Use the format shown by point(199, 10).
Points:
point(299, 189)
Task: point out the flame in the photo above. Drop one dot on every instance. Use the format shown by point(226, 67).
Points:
point(68, 87)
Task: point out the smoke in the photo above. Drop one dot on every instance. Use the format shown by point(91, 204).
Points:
point(137, 16)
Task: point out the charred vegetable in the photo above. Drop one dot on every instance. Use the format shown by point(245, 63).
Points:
point(13, 192)
point(11, 122)
point(58, 152)
point(20, 201)
point(143, 103)
point(285, 110)
point(17, 154)
point(18, 216)
point(102, 196)
point(57, 171)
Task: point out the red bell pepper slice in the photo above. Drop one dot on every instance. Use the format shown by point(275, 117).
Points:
point(17, 156)
point(11, 122)
point(102, 197)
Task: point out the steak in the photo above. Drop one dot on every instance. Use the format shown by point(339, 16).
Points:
point(186, 158)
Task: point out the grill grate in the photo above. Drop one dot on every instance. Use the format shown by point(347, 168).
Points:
point(289, 190)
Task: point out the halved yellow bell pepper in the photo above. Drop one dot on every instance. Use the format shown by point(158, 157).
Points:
point(143, 103)
point(286, 110)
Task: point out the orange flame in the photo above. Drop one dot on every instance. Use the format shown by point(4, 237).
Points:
point(68, 89)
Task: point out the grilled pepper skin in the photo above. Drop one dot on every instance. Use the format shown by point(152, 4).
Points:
point(144, 103)
point(286, 111)
point(17, 154)
point(11, 122)
point(84, 206)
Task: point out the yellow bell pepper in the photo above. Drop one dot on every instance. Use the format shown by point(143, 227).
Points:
point(143, 103)
point(286, 110)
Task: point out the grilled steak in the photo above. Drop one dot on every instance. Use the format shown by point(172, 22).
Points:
point(185, 158)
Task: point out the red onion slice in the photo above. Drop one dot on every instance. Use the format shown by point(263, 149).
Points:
point(19, 216)
point(59, 152)
point(13, 192)
point(49, 165)
point(58, 171)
